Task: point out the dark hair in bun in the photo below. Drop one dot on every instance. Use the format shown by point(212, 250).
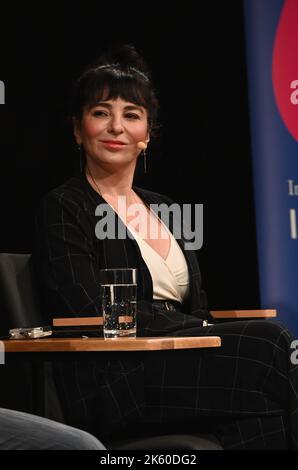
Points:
point(119, 72)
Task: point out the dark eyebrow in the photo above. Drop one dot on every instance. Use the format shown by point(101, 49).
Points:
point(129, 107)
point(133, 107)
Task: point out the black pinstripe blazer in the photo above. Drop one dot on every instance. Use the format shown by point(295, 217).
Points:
point(67, 257)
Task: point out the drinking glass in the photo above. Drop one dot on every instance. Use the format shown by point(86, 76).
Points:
point(119, 302)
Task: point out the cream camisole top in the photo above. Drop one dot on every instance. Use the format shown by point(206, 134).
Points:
point(169, 276)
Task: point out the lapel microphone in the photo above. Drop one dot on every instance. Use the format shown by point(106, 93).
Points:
point(142, 145)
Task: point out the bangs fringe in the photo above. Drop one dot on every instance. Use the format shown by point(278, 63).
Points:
point(111, 86)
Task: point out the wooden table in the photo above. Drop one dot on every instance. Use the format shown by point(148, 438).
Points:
point(39, 352)
point(49, 344)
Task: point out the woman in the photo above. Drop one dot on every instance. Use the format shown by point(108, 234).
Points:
point(244, 391)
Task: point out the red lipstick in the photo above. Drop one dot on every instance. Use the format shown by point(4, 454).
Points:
point(113, 144)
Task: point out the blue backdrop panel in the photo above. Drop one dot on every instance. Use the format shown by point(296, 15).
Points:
point(272, 61)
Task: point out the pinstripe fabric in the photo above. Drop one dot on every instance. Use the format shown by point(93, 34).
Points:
point(246, 390)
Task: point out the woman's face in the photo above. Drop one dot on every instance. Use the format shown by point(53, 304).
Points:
point(110, 131)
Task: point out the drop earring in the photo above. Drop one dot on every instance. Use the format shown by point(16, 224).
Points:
point(80, 158)
point(145, 161)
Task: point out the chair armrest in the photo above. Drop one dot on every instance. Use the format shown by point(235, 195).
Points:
point(218, 314)
point(78, 321)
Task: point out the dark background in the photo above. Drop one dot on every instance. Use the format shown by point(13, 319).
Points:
point(196, 51)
